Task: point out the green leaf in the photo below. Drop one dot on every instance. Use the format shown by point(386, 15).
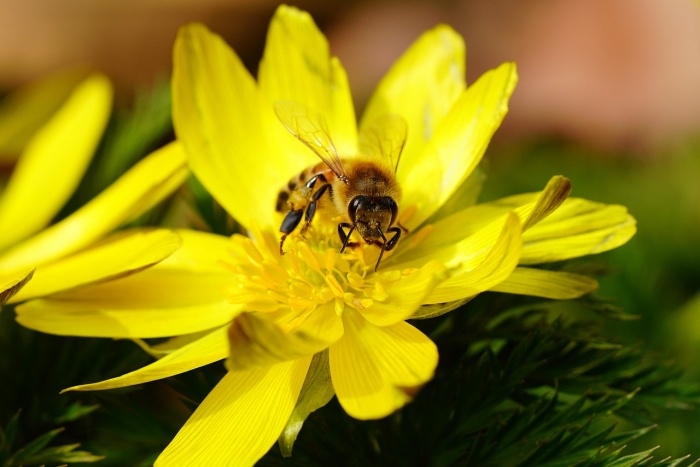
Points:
point(316, 392)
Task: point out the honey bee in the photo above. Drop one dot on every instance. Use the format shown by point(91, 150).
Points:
point(363, 188)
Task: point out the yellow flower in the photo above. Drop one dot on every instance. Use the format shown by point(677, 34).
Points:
point(299, 328)
point(47, 172)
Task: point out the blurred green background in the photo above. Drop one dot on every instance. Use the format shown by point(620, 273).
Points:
point(656, 276)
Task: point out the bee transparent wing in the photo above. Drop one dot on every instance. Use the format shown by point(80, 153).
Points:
point(310, 127)
point(384, 139)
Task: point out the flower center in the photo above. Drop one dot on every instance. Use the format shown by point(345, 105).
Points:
point(312, 272)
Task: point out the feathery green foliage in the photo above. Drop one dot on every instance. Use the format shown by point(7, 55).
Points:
point(514, 387)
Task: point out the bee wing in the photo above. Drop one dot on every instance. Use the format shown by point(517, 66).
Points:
point(310, 128)
point(384, 139)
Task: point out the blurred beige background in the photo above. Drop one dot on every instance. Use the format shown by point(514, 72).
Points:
point(615, 74)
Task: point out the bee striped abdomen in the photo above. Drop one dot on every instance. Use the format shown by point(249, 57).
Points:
point(296, 195)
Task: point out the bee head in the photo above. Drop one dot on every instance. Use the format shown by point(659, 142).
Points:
point(372, 215)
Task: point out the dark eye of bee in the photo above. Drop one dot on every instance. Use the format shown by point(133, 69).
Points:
point(355, 204)
point(391, 205)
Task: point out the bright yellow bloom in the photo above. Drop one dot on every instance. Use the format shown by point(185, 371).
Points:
point(299, 328)
point(48, 171)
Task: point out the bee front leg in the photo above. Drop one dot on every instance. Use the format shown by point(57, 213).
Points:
point(290, 222)
point(345, 238)
point(388, 245)
point(394, 240)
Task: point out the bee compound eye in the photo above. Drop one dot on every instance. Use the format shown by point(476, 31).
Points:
point(356, 203)
point(392, 206)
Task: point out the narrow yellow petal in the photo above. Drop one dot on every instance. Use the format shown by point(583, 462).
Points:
point(577, 216)
point(405, 296)
point(439, 309)
point(531, 208)
point(553, 195)
point(185, 293)
point(578, 228)
point(27, 109)
point(203, 351)
point(297, 66)
point(240, 419)
point(376, 369)
point(557, 285)
point(54, 161)
point(421, 87)
point(171, 344)
point(118, 255)
point(464, 197)
point(227, 136)
point(458, 144)
point(454, 228)
point(493, 263)
point(201, 252)
point(11, 283)
point(342, 120)
point(257, 342)
point(75, 318)
point(146, 184)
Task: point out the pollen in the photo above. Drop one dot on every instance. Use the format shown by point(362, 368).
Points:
point(312, 272)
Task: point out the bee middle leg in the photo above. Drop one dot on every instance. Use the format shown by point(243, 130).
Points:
point(395, 239)
point(293, 218)
point(311, 208)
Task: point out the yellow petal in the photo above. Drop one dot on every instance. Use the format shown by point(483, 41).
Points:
point(297, 66)
point(553, 195)
point(11, 283)
point(195, 274)
point(464, 197)
point(146, 184)
point(439, 309)
point(530, 208)
point(75, 318)
point(405, 296)
point(232, 144)
point(458, 144)
point(557, 285)
point(240, 419)
point(375, 369)
point(171, 344)
point(256, 341)
point(25, 110)
point(203, 351)
point(201, 252)
point(186, 293)
point(578, 228)
point(54, 161)
point(421, 87)
point(117, 256)
point(484, 263)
